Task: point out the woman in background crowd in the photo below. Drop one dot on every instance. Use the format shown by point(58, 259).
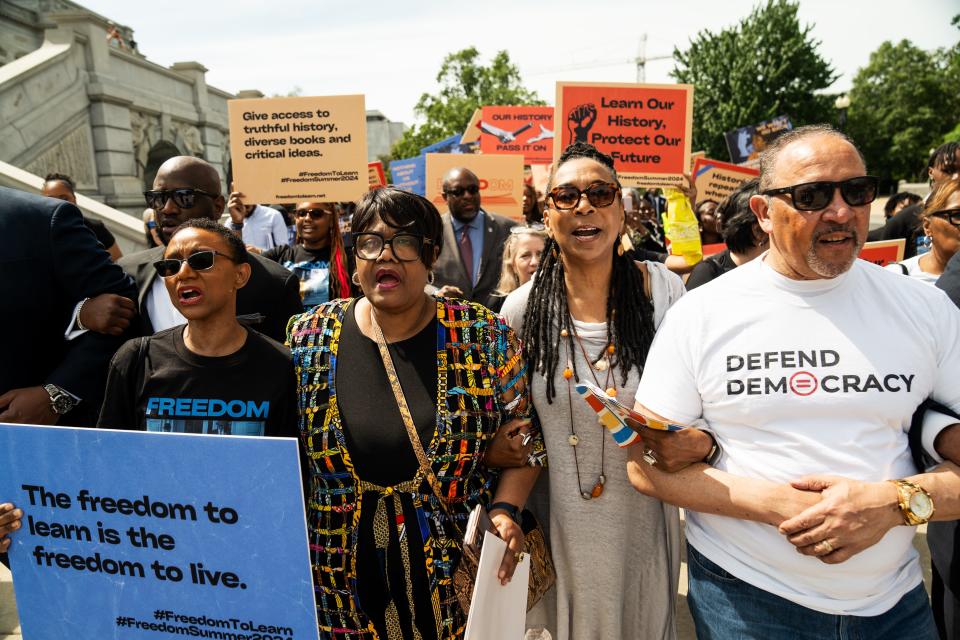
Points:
point(706, 213)
point(531, 208)
point(318, 257)
point(521, 257)
point(940, 221)
point(590, 314)
point(741, 232)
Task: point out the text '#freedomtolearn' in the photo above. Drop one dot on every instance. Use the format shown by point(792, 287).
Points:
point(172, 623)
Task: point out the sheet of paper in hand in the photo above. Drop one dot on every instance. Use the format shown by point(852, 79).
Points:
point(496, 610)
point(614, 415)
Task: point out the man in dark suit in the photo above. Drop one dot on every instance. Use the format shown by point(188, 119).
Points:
point(186, 188)
point(469, 265)
point(50, 261)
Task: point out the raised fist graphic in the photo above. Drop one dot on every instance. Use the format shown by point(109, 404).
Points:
point(580, 120)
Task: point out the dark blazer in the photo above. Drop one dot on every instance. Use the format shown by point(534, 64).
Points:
point(949, 281)
point(449, 267)
point(266, 303)
point(50, 261)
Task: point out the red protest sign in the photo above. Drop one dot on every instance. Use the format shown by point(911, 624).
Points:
point(526, 131)
point(375, 175)
point(646, 128)
point(883, 252)
point(716, 180)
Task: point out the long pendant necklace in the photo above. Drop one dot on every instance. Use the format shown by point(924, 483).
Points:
point(602, 363)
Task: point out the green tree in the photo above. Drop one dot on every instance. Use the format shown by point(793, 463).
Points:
point(764, 67)
point(904, 103)
point(465, 84)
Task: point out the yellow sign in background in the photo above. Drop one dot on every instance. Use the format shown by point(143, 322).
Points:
point(299, 149)
point(501, 180)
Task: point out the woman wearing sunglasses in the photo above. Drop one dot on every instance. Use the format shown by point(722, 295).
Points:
point(940, 221)
point(196, 378)
point(589, 314)
point(317, 258)
point(401, 394)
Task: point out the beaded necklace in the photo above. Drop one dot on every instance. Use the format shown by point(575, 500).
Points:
point(601, 363)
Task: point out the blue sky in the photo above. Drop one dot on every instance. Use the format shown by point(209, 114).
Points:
point(391, 51)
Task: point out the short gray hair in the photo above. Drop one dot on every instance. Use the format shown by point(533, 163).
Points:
point(768, 157)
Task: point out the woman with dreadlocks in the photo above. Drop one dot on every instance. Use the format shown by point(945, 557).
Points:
point(590, 313)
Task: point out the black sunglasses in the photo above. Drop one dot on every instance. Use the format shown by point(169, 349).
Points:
point(315, 214)
point(459, 191)
point(950, 215)
point(567, 197)
point(183, 198)
point(814, 196)
point(199, 261)
point(406, 247)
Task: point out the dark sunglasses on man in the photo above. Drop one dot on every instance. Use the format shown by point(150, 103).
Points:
point(183, 198)
point(406, 247)
point(315, 214)
point(566, 197)
point(950, 215)
point(814, 196)
point(459, 191)
point(199, 261)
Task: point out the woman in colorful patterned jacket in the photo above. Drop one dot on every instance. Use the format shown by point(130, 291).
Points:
point(384, 546)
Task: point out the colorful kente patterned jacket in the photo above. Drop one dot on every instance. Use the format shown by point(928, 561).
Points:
point(481, 380)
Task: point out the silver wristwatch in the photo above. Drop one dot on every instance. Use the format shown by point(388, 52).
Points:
point(61, 401)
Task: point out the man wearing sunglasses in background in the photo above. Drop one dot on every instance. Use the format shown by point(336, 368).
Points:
point(807, 365)
point(186, 188)
point(473, 240)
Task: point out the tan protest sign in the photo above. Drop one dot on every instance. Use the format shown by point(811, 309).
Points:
point(472, 132)
point(646, 128)
point(501, 180)
point(716, 180)
point(299, 149)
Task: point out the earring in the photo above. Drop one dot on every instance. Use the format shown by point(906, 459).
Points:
point(620, 248)
point(355, 278)
point(430, 277)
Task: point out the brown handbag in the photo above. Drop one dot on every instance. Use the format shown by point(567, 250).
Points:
point(542, 572)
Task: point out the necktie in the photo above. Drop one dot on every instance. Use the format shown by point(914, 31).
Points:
point(466, 251)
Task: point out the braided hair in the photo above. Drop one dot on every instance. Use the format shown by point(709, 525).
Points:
point(629, 311)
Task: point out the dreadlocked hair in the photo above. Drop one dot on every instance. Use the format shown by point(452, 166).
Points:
point(629, 312)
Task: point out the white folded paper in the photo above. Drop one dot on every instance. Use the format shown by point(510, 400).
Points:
point(498, 612)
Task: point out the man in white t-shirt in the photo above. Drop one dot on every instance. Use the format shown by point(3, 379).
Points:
point(806, 367)
point(259, 226)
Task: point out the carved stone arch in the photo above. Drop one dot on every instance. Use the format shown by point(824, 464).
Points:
point(158, 154)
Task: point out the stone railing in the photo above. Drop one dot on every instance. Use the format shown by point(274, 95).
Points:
point(126, 229)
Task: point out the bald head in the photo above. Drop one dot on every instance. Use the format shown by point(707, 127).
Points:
point(195, 172)
point(199, 193)
point(770, 156)
point(461, 191)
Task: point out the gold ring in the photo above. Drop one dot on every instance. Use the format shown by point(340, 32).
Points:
point(828, 548)
point(649, 457)
point(517, 556)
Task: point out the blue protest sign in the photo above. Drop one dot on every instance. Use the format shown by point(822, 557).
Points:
point(146, 535)
point(447, 145)
point(409, 174)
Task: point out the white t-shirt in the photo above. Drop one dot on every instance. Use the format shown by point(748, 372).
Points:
point(913, 270)
point(264, 228)
point(807, 377)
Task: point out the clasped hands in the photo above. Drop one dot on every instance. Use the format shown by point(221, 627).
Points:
point(828, 517)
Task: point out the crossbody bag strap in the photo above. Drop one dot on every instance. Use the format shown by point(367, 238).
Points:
point(407, 417)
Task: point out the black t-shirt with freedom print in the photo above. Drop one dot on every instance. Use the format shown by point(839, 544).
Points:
point(168, 388)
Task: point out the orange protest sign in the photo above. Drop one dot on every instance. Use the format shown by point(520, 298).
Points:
point(716, 180)
point(375, 175)
point(472, 132)
point(299, 149)
point(646, 128)
point(883, 252)
point(501, 180)
point(526, 131)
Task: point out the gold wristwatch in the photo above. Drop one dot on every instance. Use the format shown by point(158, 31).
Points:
point(916, 505)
